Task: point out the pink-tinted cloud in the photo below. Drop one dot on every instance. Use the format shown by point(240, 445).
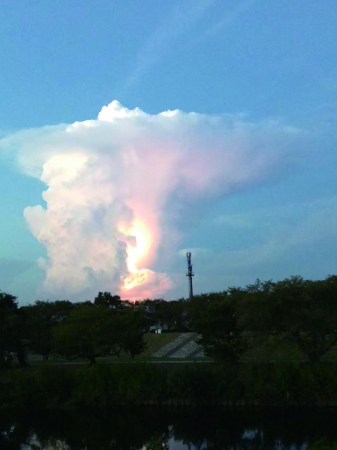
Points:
point(111, 181)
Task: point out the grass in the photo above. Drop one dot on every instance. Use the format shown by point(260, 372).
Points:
point(156, 341)
point(274, 349)
point(153, 341)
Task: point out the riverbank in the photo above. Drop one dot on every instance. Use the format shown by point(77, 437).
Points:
point(103, 385)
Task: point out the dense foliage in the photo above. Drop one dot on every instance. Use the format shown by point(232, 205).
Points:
point(71, 330)
point(107, 385)
point(11, 333)
point(229, 323)
point(300, 311)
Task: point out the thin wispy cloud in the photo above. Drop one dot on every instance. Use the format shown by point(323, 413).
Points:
point(181, 19)
point(230, 17)
point(292, 238)
point(186, 22)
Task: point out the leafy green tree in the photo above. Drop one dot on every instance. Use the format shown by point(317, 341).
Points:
point(133, 333)
point(93, 331)
point(259, 314)
point(108, 301)
point(302, 311)
point(153, 311)
point(220, 335)
point(311, 321)
point(197, 306)
point(11, 328)
point(87, 333)
point(41, 318)
point(117, 334)
point(174, 315)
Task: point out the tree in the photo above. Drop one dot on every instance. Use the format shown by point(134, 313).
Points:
point(117, 335)
point(302, 311)
point(87, 333)
point(93, 331)
point(311, 321)
point(133, 333)
point(259, 314)
point(153, 312)
point(197, 306)
point(108, 301)
point(220, 335)
point(11, 339)
point(41, 318)
point(174, 315)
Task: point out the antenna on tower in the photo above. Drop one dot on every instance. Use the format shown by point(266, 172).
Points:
point(190, 273)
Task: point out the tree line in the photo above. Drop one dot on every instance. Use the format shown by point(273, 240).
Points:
point(229, 323)
point(83, 330)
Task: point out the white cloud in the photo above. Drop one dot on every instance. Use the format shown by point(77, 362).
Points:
point(111, 184)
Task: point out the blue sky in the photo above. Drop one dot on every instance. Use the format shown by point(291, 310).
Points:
point(260, 62)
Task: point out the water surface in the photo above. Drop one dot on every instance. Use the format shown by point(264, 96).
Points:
point(167, 429)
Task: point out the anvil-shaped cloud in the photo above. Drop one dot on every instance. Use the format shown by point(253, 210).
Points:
point(111, 184)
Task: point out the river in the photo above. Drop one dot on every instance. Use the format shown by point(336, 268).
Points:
point(167, 429)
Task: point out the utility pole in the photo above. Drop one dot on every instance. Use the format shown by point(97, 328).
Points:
point(189, 274)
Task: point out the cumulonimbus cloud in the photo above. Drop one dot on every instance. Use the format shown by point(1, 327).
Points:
point(111, 183)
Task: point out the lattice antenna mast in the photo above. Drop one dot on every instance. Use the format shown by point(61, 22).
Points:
point(190, 273)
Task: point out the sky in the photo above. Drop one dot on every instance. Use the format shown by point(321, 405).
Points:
point(132, 132)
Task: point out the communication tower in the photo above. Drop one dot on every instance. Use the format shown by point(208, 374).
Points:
point(190, 273)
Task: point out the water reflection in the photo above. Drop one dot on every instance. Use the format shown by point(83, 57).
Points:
point(153, 429)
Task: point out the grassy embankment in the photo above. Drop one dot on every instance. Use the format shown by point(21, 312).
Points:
point(273, 349)
point(154, 342)
point(276, 349)
point(274, 373)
